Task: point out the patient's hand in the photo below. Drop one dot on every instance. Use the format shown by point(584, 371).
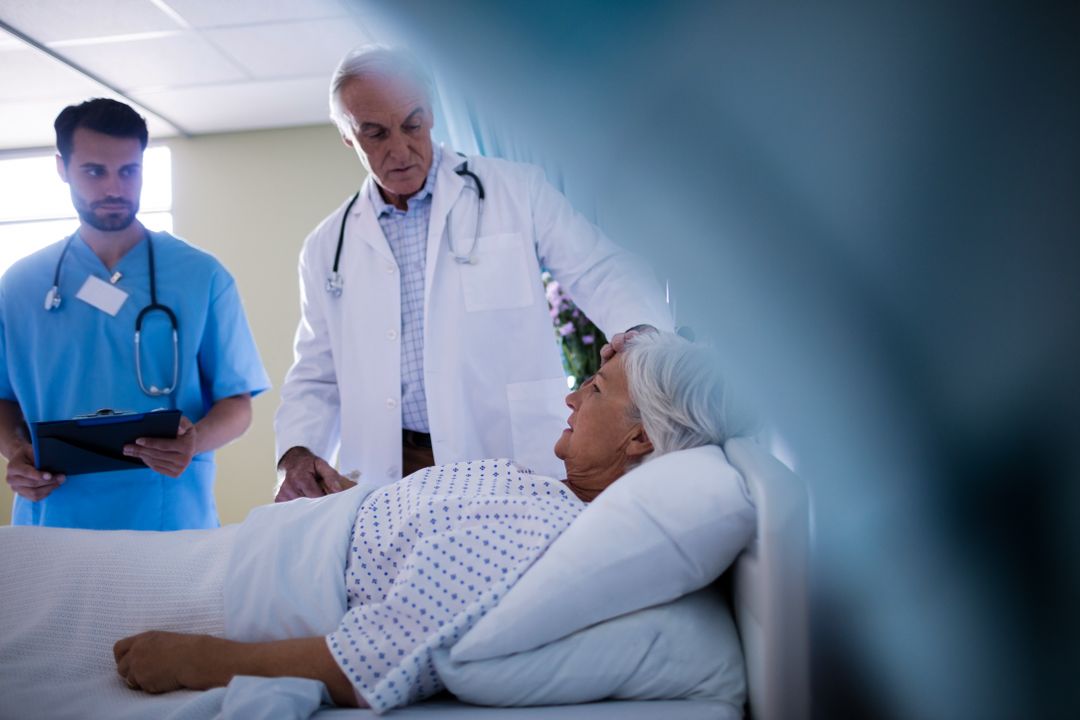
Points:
point(158, 662)
point(305, 474)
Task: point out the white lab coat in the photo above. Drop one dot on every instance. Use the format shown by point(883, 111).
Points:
point(492, 369)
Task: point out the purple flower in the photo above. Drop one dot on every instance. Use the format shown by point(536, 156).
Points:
point(554, 296)
point(587, 339)
point(566, 329)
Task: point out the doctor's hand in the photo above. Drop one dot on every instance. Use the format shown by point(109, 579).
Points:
point(166, 456)
point(618, 341)
point(302, 473)
point(28, 481)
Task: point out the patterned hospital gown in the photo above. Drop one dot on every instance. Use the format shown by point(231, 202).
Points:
point(430, 555)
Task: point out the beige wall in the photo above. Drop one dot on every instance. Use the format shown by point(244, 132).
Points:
point(250, 199)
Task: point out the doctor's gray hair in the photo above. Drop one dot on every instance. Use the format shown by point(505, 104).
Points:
point(378, 60)
point(679, 393)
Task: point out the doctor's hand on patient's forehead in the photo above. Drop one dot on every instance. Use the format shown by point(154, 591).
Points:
point(618, 341)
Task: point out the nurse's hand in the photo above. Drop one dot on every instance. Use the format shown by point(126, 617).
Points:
point(618, 341)
point(302, 473)
point(28, 481)
point(166, 456)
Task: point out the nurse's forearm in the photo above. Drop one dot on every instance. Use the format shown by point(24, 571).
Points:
point(12, 434)
point(226, 421)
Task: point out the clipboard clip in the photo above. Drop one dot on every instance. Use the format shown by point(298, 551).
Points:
point(103, 412)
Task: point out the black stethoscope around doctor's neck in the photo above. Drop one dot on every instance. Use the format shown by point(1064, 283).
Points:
point(335, 283)
point(52, 302)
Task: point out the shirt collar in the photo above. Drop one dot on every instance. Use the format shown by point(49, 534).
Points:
point(383, 208)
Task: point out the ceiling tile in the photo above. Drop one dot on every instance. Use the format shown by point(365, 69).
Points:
point(183, 59)
point(293, 49)
point(203, 14)
point(29, 74)
point(50, 20)
point(243, 106)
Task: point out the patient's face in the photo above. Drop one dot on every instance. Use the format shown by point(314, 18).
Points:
point(602, 438)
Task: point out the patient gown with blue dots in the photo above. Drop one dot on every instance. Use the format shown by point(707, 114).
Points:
point(430, 555)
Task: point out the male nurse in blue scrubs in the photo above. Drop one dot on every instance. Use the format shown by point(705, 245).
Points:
point(67, 344)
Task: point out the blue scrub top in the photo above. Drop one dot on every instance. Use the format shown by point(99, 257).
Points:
point(77, 359)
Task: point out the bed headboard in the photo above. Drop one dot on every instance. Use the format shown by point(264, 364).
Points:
point(770, 587)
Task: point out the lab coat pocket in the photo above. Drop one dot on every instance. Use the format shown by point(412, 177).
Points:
point(499, 279)
point(538, 414)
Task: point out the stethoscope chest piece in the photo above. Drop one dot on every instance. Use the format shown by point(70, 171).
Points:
point(334, 284)
point(52, 298)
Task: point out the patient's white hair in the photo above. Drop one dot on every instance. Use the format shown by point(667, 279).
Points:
point(380, 61)
point(679, 393)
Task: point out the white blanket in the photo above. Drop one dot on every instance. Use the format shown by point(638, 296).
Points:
point(67, 595)
point(286, 577)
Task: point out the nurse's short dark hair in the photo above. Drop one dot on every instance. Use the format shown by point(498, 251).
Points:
point(101, 115)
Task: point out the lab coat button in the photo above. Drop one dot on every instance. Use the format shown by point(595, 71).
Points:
point(389, 268)
point(391, 403)
point(391, 334)
point(393, 472)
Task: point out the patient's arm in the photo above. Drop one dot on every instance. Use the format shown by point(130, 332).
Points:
point(159, 662)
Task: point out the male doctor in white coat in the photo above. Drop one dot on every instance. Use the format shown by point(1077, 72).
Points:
point(425, 335)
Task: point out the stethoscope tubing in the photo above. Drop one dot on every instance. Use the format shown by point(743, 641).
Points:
point(52, 301)
point(334, 282)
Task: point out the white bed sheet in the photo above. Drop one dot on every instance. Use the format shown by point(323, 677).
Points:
point(446, 708)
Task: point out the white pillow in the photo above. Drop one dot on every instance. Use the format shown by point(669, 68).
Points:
point(666, 528)
point(687, 649)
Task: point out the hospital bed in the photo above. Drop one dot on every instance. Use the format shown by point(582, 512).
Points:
point(766, 589)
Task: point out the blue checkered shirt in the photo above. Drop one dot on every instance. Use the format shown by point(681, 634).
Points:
point(407, 232)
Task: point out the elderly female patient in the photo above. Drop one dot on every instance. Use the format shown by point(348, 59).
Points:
point(426, 549)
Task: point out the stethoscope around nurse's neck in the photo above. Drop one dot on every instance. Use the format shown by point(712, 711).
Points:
point(334, 281)
point(53, 300)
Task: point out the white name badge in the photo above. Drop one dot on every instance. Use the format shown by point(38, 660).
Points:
point(105, 297)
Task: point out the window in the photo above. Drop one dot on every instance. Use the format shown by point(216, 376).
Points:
point(36, 210)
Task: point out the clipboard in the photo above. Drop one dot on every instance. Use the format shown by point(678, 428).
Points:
point(95, 443)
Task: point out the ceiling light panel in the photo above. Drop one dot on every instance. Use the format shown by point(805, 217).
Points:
point(243, 106)
point(52, 20)
point(293, 49)
point(204, 14)
point(26, 74)
point(184, 59)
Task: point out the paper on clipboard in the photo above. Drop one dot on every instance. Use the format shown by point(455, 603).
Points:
point(96, 443)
